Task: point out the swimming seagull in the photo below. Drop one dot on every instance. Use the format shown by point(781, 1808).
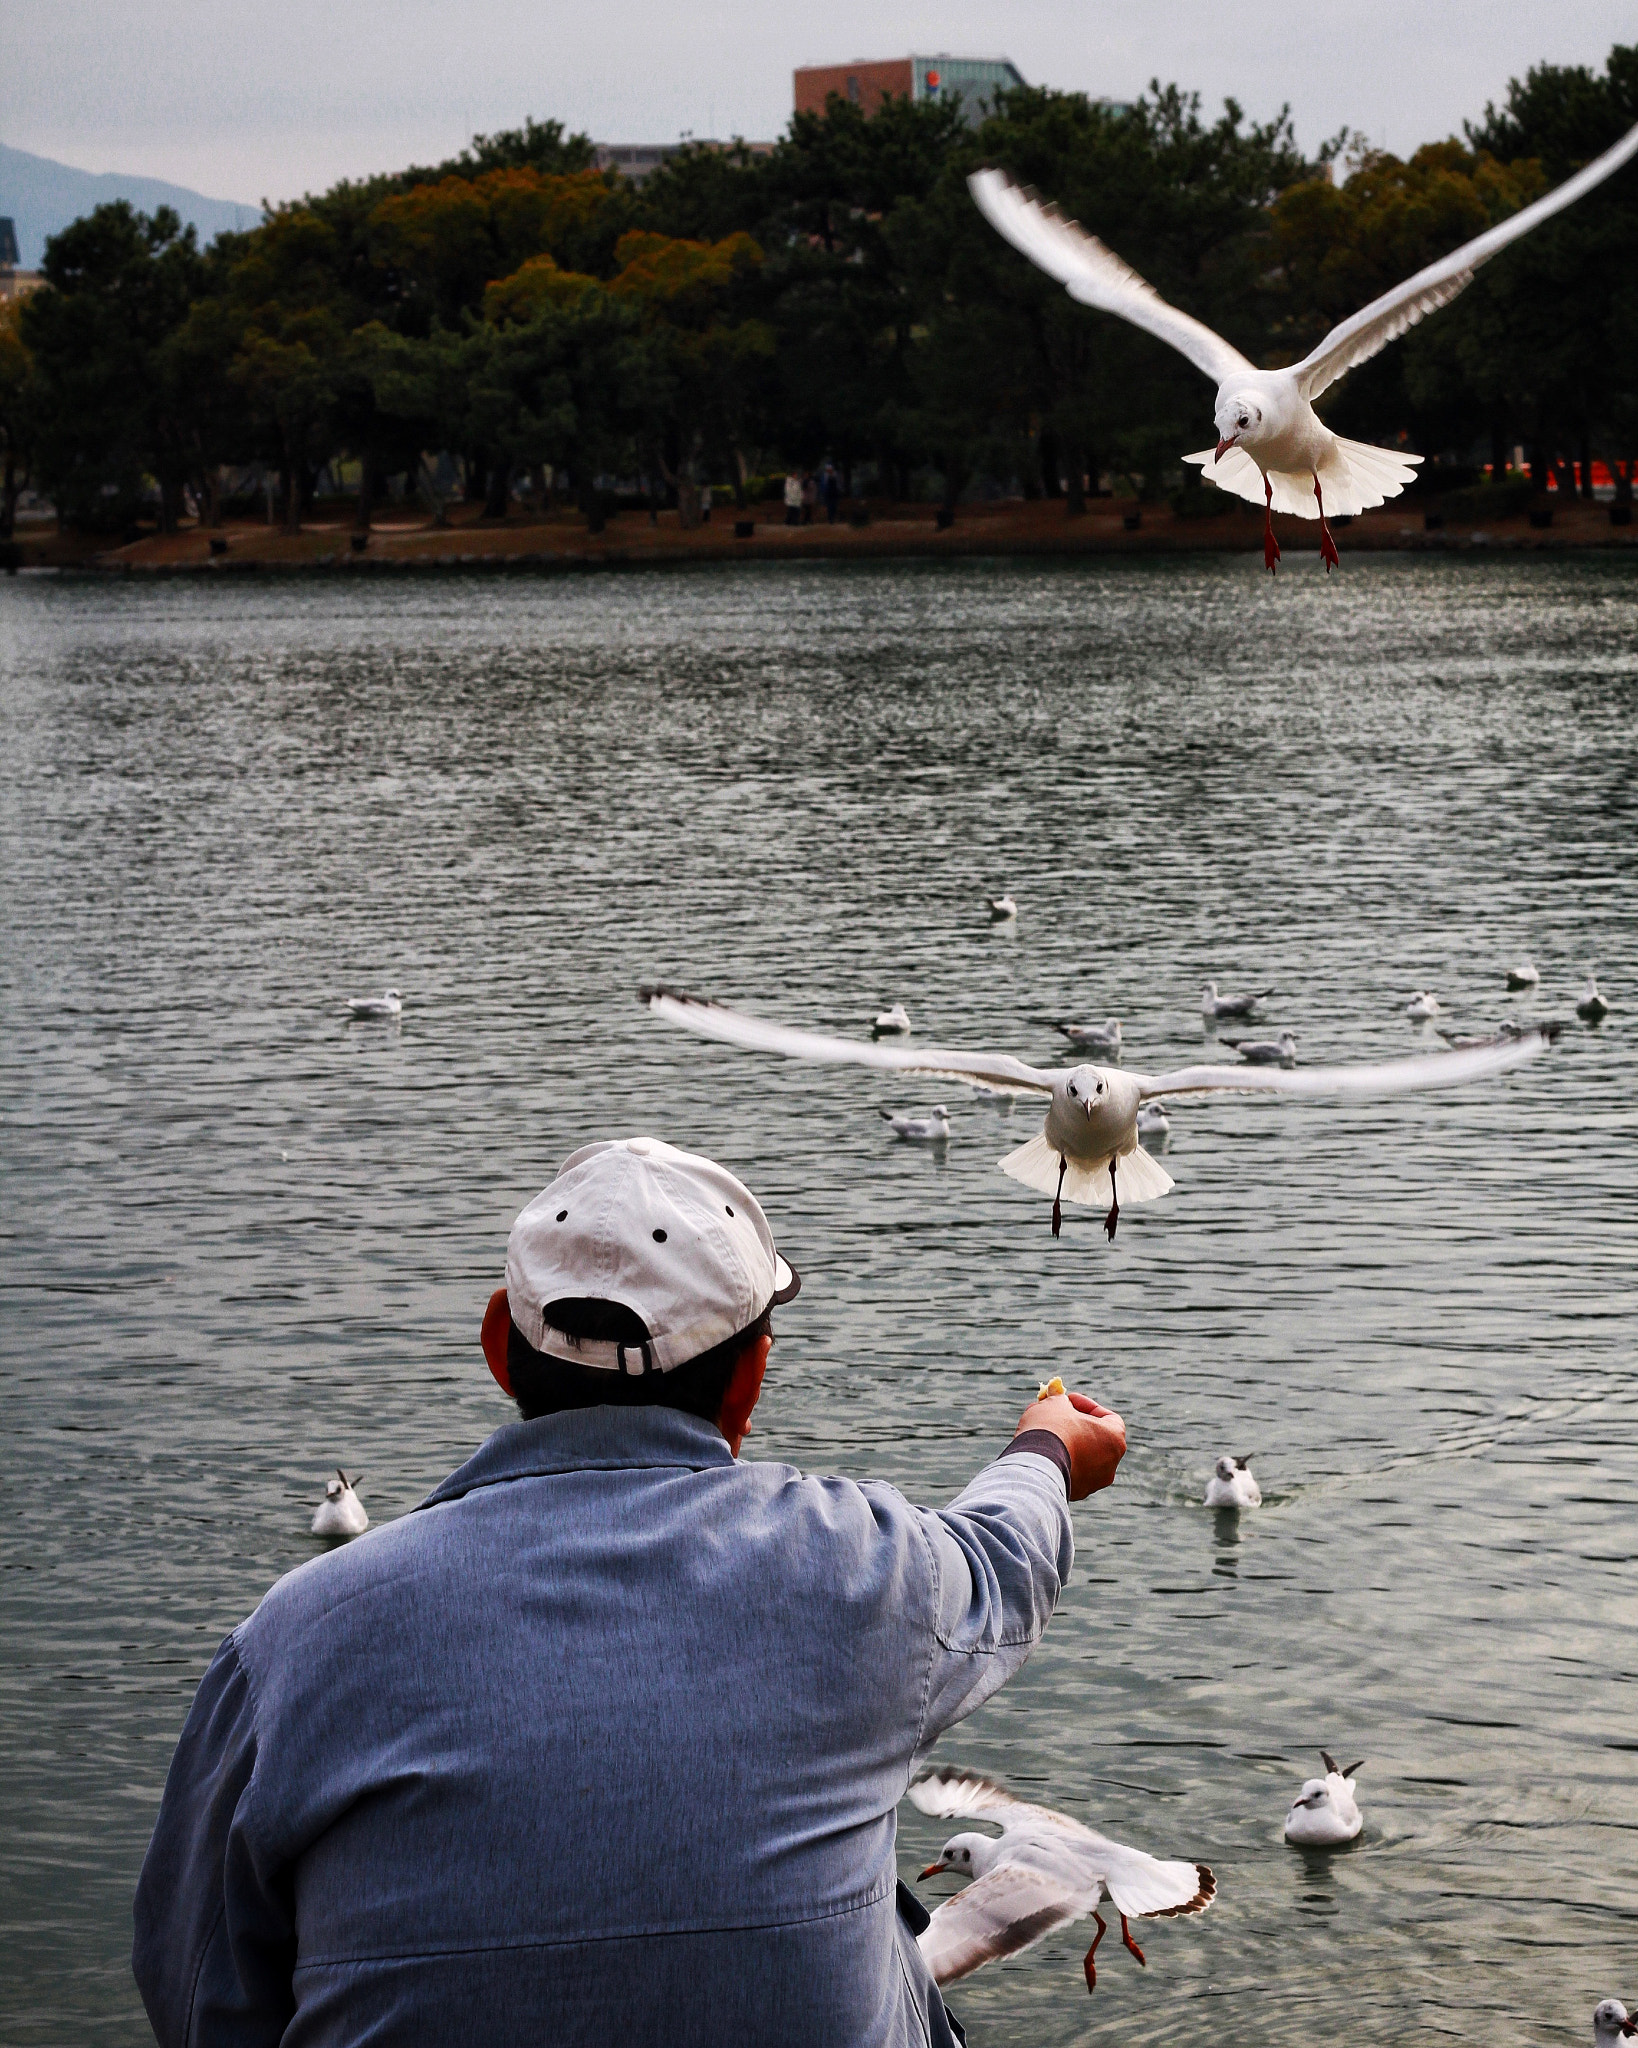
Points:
point(1103, 1037)
point(1522, 974)
point(1214, 1005)
point(1590, 1006)
point(1045, 1872)
point(391, 1004)
point(894, 1021)
point(1271, 445)
point(1232, 1486)
point(1265, 1052)
point(341, 1512)
point(1001, 908)
point(1422, 1006)
point(1324, 1811)
point(1091, 1120)
point(1154, 1126)
point(1611, 2022)
point(930, 1129)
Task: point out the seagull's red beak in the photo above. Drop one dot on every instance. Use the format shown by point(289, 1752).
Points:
point(1629, 2026)
point(932, 1870)
point(1222, 446)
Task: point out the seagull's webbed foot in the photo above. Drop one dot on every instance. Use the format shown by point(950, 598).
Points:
point(1088, 1965)
point(1271, 547)
point(1057, 1199)
point(1328, 547)
point(1126, 1936)
point(1113, 1217)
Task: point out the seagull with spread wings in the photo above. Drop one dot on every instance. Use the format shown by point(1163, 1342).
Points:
point(1090, 1132)
point(1045, 1872)
point(1271, 444)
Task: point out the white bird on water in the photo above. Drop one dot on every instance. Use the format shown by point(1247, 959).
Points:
point(1213, 1005)
point(1001, 908)
point(372, 1009)
point(1154, 1126)
point(1422, 1007)
point(1103, 1037)
point(1324, 1812)
point(341, 1512)
point(1232, 1486)
point(895, 1021)
point(931, 1129)
point(1522, 974)
point(1612, 2023)
point(1090, 1130)
point(1272, 447)
point(1045, 1872)
point(1265, 1052)
point(1590, 1006)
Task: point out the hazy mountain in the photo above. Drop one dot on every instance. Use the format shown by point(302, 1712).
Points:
point(42, 196)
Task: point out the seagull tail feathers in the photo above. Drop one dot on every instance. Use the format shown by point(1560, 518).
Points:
point(1354, 477)
point(1140, 1178)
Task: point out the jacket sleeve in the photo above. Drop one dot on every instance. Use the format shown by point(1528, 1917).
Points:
point(215, 1933)
point(1001, 1552)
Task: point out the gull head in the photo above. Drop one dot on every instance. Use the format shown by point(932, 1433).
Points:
point(966, 1855)
point(1611, 2020)
point(1087, 1089)
point(1226, 1468)
point(1315, 1796)
point(1236, 417)
point(334, 1490)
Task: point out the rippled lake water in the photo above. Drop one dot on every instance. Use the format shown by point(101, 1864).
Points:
point(244, 1241)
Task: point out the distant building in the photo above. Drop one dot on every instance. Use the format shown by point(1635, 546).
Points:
point(14, 283)
point(640, 160)
point(969, 80)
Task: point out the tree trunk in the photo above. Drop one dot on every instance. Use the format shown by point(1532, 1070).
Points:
point(591, 503)
point(1623, 480)
point(742, 479)
point(13, 483)
point(500, 490)
point(1586, 466)
point(1500, 454)
point(1075, 507)
point(291, 500)
point(476, 487)
point(369, 482)
point(1051, 473)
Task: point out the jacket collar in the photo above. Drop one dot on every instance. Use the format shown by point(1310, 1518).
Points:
point(587, 1438)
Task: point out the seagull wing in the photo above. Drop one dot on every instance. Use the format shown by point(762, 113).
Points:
point(1360, 1083)
point(1143, 1887)
point(997, 1071)
point(1011, 1908)
point(1386, 318)
point(951, 1793)
point(1096, 275)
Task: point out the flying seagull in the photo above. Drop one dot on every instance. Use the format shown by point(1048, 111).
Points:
point(1045, 1872)
point(1271, 444)
point(1091, 1120)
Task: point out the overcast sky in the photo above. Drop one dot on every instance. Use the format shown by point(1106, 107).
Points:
point(252, 99)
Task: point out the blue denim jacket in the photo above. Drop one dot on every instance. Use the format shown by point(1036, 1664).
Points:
point(602, 1744)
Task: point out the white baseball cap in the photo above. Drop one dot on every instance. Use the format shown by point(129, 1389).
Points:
point(671, 1236)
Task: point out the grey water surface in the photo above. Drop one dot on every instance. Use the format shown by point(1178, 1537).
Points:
point(242, 1241)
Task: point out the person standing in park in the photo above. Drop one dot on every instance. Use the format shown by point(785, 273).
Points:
point(604, 1741)
point(793, 498)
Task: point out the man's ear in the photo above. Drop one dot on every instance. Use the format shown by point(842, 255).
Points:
point(734, 1416)
point(497, 1335)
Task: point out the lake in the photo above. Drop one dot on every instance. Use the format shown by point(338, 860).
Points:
point(243, 1241)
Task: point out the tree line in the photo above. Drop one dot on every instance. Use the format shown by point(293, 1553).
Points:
point(515, 315)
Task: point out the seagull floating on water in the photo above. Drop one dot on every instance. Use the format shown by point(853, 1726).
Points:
point(370, 1008)
point(1103, 1037)
point(341, 1512)
point(1001, 908)
point(1154, 1126)
point(1214, 1005)
point(1522, 974)
point(1232, 1486)
point(1265, 1052)
point(1324, 1812)
point(1091, 1121)
point(1422, 1006)
point(1045, 1872)
point(1272, 447)
point(1464, 1041)
point(1590, 1006)
point(891, 1022)
point(1612, 2022)
point(929, 1129)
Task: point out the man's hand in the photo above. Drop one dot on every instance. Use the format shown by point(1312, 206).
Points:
point(1094, 1437)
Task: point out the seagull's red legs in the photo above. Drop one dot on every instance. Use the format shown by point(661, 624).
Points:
point(1271, 547)
point(1126, 1936)
point(1328, 547)
point(1088, 1965)
point(1113, 1217)
point(1057, 1202)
